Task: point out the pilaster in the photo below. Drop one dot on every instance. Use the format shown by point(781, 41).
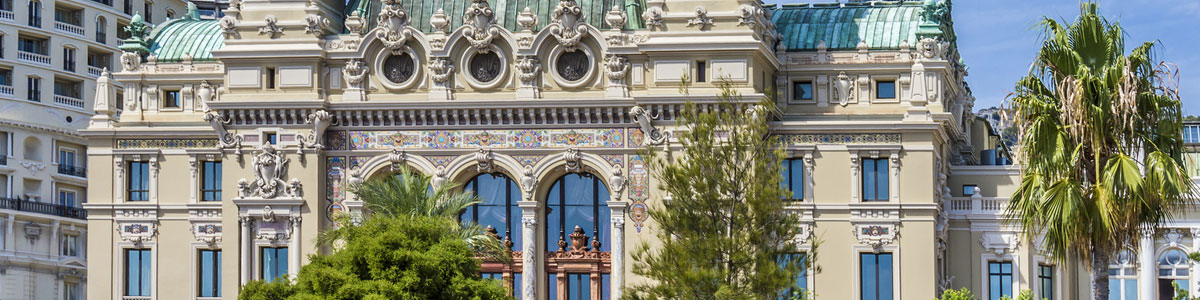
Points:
point(617, 274)
point(529, 246)
point(1147, 269)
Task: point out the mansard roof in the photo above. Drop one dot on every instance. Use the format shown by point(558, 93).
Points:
point(506, 11)
point(198, 38)
point(882, 25)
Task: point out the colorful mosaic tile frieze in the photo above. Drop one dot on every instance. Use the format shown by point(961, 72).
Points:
point(853, 138)
point(639, 191)
point(166, 143)
point(335, 189)
point(472, 139)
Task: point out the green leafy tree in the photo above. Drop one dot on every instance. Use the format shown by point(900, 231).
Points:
point(726, 226)
point(965, 294)
point(412, 194)
point(1101, 143)
point(402, 257)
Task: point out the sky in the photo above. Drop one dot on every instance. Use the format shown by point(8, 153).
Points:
point(998, 39)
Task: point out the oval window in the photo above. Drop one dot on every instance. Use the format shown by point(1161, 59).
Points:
point(398, 68)
point(485, 67)
point(573, 66)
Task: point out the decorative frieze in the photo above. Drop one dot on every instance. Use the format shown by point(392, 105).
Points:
point(473, 139)
point(836, 139)
point(166, 143)
point(269, 168)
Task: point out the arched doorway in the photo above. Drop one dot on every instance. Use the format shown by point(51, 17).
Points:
point(578, 259)
point(498, 211)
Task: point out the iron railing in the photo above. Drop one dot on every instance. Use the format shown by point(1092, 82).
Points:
point(72, 170)
point(43, 208)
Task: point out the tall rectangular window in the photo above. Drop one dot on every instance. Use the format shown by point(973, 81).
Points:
point(210, 183)
point(800, 283)
point(139, 181)
point(148, 9)
point(69, 59)
point(66, 157)
point(5, 74)
point(701, 71)
point(137, 272)
point(802, 90)
point(876, 276)
point(875, 179)
point(70, 245)
point(885, 89)
point(274, 262)
point(35, 13)
point(1046, 282)
point(66, 198)
point(270, 80)
point(34, 89)
point(271, 138)
point(210, 273)
point(1000, 279)
point(793, 177)
point(127, 9)
point(170, 99)
point(70, 291)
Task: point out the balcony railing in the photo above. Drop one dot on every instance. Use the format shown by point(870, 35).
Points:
point(6, 90)
point(95, 71)
point(7, 15)
point(68, 101)
point(978, 206)
point(33, 57)
point(72, 171)
point(43, 208)
point(69, 28)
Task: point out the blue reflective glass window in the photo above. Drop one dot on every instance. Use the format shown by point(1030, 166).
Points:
point(800, 282)
point(1000, 279)
point(274, 263)
point(968, 190)
point(885, 89)
point(875, 179)
point(793, 177)
point(802, 90)
point(498, 196)
point(210, 185)
point(1046, 282)
point(210, 273)
point(577, 200)
point(139, 181)
point(137, 272)
point(552, 285)
point(516, 292)
point(876, 276)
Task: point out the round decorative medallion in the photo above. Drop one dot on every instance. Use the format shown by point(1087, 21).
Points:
point(485, 67)
point(399, 68)
point(573, 66)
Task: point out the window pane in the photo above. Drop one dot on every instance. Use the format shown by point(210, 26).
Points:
point(885, 89)
point(516, 286)
point(869, 279)
point(145, 272)
point(885, 276)
point(1130, 289)
point(785, 177)
point(968, 190)
point(797, 178)
point(132, 272)
point(552, 285)
point(802, 90)
point(868, 181)
point(881, 177)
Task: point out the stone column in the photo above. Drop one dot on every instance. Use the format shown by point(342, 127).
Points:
point(618, 248)
point(294, 248)
point(1147, 268)
point(855, 183)
point(55, 241)
point(8, 232)
point(247, 248)
point(894, 174)
point(529, 273)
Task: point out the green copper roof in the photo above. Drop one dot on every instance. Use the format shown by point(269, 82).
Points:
point(506, 11)
point(172, 39)
point(882, 25)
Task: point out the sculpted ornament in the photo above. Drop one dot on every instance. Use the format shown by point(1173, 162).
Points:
point(654, 18)
point(228, 25)
point(440, 69)
point(478, 26)
point(354, 23)
point(355, 71)
point(271, 27)
point(617, 182)
point(396, 158)
point(483, 161)
point(205, 92)
point(315, 24)
point(615, 18)
point(842, 88)
point(528, 68)
point(130, 61)
point(393, 22)
point(269, 168)
point(928, 47)
point(574, 161)
point(439, 21)
point(654, 136)
point(616, 66)
point(527, 20)
point(320, 120)
point(224, 137)
point(568, 25)
point(702, 20)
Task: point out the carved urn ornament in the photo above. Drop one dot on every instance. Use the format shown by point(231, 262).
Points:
point(439, 21)
point(354, 23)
point(527, 20)
point(615, 18)
point(568, 25)
point(393, 23)
point(477, 24)
point(842, 88)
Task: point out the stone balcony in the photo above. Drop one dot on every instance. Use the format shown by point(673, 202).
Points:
point(69, 28)
point(976, 207)
point(68, 101)
point(33, 57)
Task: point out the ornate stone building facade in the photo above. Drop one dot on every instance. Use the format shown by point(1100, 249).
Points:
point(231, 142)
point(51, 52)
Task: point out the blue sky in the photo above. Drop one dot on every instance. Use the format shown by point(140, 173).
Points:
point(998, 40)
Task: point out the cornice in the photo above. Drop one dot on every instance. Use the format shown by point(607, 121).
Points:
point(69, 133)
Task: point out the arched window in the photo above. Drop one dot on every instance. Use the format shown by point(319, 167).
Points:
point(101, 30)
point(498, 196)
point(1172, 268)
point(1122, 280)
point(576, 229)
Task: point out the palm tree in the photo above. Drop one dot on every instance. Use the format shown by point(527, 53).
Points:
point(1101, 144)
point(412, 194)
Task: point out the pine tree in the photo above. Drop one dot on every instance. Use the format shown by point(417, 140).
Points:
point(725, 229)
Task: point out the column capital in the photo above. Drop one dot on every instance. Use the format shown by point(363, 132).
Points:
point(529, 221)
